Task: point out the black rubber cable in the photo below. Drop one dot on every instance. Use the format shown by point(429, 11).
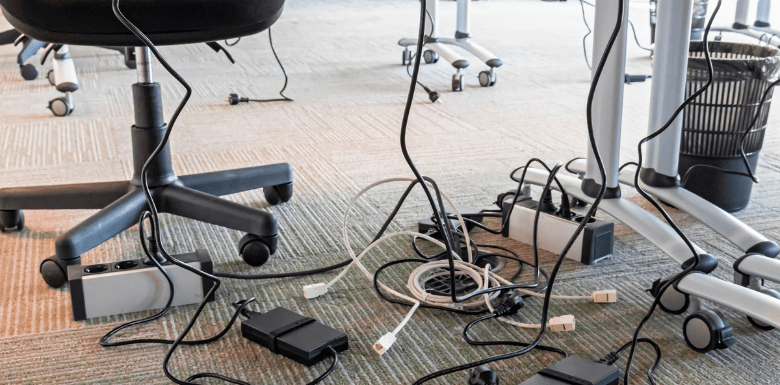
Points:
point(696, 259)
point(588, 215)
point(750, 174)
point(504, 343)
point(145, 184)
point(234, 381)
point(283, 98)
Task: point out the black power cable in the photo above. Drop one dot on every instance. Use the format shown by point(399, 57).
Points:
point(234, 99)
point(750, 173)
point(696, 259)
point(152, 214)
point(580, 228)
point(471, 341)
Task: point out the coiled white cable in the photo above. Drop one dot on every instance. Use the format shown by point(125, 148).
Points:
point(425, 272)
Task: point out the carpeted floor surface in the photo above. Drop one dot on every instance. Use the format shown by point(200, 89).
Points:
point(341, 134)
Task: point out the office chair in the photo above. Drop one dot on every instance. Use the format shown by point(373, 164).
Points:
point(165, 22)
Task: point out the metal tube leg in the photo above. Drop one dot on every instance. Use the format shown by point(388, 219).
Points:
point(762, 14)
point(30, 48)
point(608, 99)
point(433, 11)
point(189, 203)
point(463, 23)
point(740, 18)
point(234, 181)
point(112, 220)
point(62, 197)
point(670, 65)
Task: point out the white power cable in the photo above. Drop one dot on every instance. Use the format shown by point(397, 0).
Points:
point(425, 272)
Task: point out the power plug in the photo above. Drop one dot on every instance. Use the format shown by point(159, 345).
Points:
point(483, 375)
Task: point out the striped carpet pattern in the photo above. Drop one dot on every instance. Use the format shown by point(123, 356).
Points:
point(341, 134)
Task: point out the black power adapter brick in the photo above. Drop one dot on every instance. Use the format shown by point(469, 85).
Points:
point(302, 339)
point(576, 371)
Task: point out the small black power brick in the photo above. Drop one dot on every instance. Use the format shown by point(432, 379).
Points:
point(576, 371)
point(302, 339)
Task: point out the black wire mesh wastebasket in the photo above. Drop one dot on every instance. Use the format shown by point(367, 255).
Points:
point(714, 123)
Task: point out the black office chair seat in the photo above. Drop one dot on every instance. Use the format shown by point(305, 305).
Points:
point(165, 22)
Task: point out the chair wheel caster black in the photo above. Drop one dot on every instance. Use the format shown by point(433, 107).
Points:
point(61, 106)
point(430, 57)
point(672, 301)
point(486, 79)
point(10, 219)
point(706, 330)
point(758, 324)
point(29, 72)
point(53, 272)
point(50, 76)
point(574, 202)
point(255, 250)
point(279, 193)
point(457, 83)
point(406, 57)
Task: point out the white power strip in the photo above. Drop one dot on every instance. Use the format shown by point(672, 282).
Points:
point(594, 243)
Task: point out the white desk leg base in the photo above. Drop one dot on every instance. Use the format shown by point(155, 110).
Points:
point(760, 307)
point(438, 49)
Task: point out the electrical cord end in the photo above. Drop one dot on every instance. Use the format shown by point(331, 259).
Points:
point(564, 323)
point(605, 296)
point(314, 290)
point(384, 343)
point(511, 304)
point(234, 99)
point(434, 96)
point(483, 375)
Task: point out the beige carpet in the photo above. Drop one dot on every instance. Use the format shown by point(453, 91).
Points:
point(341, 134)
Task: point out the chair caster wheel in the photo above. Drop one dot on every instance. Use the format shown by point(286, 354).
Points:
point(574, 202)
point(53, 272)
point(758, 324)
point(457, 83)
point(430, 57)
point(672, 301)
point(10, 219)
point(255, 250)
point(61, 106)
point(51, 78)
point(29, 72)
point(486, 79)
point(406, 57)
point(279, 193)
point(706, 330)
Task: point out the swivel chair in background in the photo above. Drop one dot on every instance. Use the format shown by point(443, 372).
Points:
point(165, 22)
point(63, 73)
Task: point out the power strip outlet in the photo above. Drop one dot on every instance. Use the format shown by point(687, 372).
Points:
point(594, 243)
point(128, 286)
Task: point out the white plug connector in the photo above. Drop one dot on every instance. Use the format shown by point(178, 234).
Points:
point(384, 343)
point(564, 323)
point(314, 290)
point(605, 296)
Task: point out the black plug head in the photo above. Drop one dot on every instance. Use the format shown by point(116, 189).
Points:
point(547, 203)
point(234, 99)
point(511, 303)
point(483, 375)
point(434, 96)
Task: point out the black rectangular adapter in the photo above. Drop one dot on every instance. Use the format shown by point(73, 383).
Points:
point(302, 339)
point(576, 371)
